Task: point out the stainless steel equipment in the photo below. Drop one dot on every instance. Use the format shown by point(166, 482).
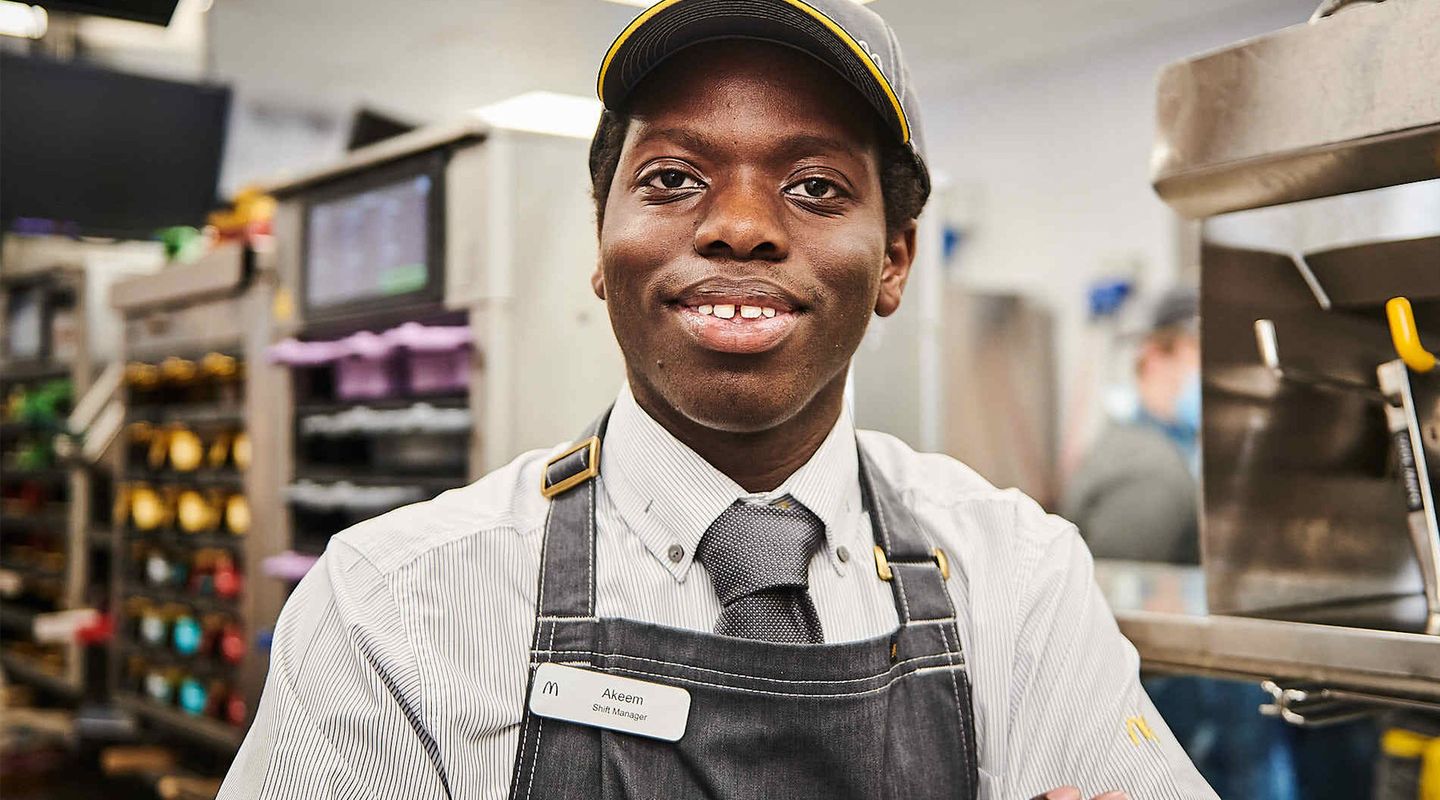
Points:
point(1312, 155)
point(1302, 500)
point(1345, 103)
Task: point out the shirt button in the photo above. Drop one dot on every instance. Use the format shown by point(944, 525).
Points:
point(842, 553)
point(675, 553)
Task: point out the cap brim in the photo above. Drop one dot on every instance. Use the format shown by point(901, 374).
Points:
point(672, 25)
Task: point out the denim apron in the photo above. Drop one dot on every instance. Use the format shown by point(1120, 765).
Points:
point(888, 717)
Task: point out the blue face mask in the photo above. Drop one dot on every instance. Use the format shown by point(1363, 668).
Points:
point(1187, 405)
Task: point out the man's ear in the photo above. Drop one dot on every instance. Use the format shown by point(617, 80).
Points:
point(899, 255)
point(597, 282)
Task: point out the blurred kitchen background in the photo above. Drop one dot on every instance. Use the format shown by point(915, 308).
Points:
point(204, 374)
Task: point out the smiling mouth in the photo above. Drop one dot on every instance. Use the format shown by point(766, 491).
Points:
point(728, 321)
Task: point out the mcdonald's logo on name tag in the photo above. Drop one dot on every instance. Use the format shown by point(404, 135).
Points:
point(609, 701)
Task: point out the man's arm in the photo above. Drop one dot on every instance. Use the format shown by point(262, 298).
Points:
point(340, 714)
point(1078, 713)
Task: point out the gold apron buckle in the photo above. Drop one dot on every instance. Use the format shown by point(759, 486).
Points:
point(592, 468)
point(882, 564)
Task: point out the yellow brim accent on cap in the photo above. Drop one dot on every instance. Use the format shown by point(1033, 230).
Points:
point(839, 32)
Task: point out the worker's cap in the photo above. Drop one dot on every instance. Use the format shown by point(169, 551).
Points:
point(844, 35)
point(1177, 308)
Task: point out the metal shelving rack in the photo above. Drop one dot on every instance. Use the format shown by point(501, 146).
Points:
point(72, 276)
point(67, 514)
point(220, 304)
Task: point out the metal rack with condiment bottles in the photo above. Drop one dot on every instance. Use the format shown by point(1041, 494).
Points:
point(185, 513)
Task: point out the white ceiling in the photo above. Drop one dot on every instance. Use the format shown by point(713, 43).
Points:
point(428, 59)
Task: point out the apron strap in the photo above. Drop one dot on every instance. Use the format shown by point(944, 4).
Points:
point(916, 571)
point(567, 557)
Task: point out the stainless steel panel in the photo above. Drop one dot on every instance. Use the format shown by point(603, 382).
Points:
point(1377, 647)
point(1339, 105)
point(1366, 275)
point(1301, 503)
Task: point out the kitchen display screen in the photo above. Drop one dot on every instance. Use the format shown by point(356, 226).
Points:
point(370, 245)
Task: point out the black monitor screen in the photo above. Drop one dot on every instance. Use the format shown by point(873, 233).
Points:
point(104, 152)
point(373, 243)
point(155, 12)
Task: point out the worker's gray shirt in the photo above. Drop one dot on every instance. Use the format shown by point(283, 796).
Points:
point(1134, 497)
point(399, 665)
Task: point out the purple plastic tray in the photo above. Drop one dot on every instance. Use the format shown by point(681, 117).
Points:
point(436, 360)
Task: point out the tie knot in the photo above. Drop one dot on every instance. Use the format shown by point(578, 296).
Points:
point(753, 547)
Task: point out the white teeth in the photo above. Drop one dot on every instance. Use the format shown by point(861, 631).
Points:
point(727, 311)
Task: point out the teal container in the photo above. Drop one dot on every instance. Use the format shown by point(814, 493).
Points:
point(193, 697)
point(186, 637)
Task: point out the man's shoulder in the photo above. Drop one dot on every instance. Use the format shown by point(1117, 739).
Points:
point(502, 505)
point(923, 474)
point(1134, 446)
point(960, 501)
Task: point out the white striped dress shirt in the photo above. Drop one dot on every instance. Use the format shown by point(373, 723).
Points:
point(399, 665)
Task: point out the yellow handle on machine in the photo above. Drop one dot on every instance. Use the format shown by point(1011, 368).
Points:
point(1407, 337)
point(1401, 743)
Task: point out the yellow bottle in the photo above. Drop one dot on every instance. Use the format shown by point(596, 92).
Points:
point(237, 514)
point(186, 451)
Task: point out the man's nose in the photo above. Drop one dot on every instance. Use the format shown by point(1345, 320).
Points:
point(743, 221)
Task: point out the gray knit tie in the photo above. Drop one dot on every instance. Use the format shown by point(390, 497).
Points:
point(758, 557)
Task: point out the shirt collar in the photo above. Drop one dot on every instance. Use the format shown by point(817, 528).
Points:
point(668, 495)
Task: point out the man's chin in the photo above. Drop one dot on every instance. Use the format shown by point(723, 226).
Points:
point(739, 407)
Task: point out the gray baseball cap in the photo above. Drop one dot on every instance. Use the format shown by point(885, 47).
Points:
point(843, 34)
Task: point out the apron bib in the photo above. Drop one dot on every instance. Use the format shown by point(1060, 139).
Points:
point(888, 717)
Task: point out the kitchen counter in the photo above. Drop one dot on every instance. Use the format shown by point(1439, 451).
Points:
point(1384, 650)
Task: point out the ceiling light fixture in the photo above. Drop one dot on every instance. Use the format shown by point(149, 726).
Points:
point(23, 20)
point(545, 112)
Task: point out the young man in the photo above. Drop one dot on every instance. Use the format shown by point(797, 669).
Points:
point(719, 591)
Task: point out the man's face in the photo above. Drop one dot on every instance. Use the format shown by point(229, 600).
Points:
point(1164, 372)
point(744, 244)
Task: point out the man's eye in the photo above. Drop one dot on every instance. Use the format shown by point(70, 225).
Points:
point(815, 189)
point(673, 179)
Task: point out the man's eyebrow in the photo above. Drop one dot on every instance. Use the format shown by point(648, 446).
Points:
point(685, 137)
point(788, 146)
point(810, 143)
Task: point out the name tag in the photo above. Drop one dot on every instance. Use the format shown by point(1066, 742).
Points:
point(609, 701)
